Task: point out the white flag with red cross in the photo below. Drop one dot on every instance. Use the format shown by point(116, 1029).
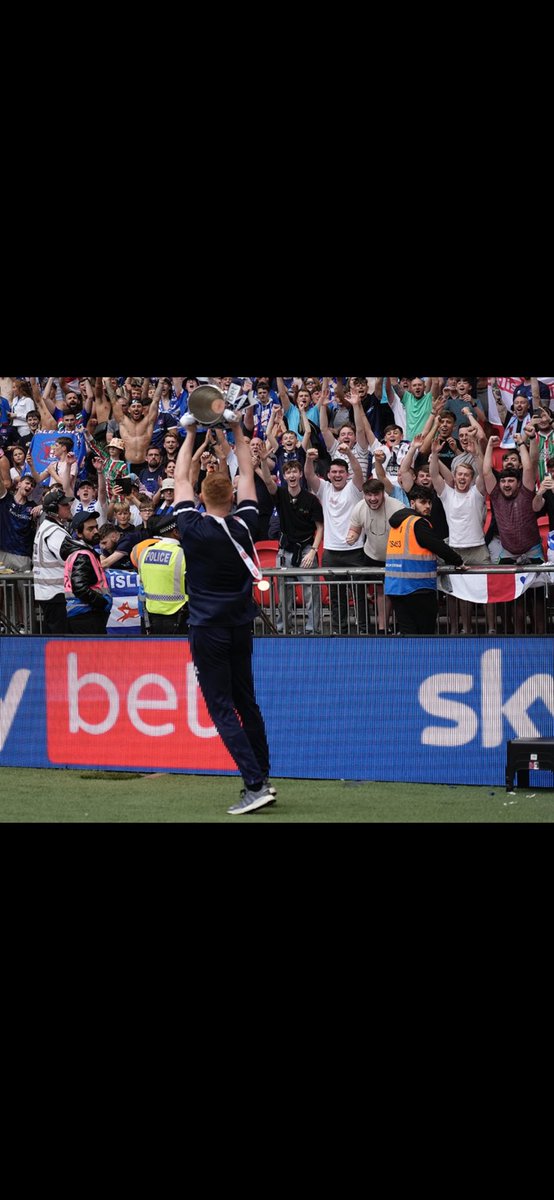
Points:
point(492, 589)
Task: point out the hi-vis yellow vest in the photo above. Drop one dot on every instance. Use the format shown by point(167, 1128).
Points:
point(409, 568)
point(162, 575)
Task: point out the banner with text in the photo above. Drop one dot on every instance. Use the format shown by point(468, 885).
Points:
point(422, 711)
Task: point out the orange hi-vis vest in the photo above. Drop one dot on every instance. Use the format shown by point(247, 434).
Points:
point(409, 568)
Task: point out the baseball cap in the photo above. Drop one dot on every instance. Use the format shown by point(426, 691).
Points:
point(80, 518)
point(81, 483)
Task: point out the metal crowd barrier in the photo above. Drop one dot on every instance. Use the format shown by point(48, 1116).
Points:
point(355, 592)
point(361, 589)
point(19, 611)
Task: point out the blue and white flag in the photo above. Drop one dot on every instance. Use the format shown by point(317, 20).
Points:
point(124, 619)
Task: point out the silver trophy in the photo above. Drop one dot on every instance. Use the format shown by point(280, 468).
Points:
point(212, 407)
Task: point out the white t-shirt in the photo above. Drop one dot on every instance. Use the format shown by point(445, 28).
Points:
point(337, 508)
point(21, 405)
point(465, 513)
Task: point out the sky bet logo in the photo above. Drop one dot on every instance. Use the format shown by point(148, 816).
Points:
point(435, 698)
point(138, 704)
point(145, 711)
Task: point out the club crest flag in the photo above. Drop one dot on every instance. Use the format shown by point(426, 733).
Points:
point(42, 448)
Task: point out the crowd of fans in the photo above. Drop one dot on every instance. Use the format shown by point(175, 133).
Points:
point(87, 466)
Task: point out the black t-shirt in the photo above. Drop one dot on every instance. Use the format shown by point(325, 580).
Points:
point(219, 583)
point(299, 515)
point(378, 414)
point(427, 537)
point(438, 518)
point(548, 509)
point(447, 455)
point(266, 504)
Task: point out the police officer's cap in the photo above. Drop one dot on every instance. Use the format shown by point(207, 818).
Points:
point(163, 524)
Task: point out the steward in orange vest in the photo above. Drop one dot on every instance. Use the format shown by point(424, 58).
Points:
point(411, 566)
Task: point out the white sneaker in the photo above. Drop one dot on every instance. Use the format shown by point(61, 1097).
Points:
point(270, 787)
point(251, 801)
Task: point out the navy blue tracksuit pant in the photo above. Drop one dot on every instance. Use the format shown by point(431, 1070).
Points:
point(223, 660)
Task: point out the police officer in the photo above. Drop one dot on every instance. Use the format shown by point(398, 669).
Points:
point(162, 569)
point(87, 593)
point(411, 566)
point(221, 568)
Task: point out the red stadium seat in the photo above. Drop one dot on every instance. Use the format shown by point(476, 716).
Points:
point(325, 589)
point(488, 517)
point(267, 554)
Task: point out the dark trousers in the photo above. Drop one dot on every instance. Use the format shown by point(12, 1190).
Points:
point(93, 624)
point(416, 614)
point(55, 616)
point(162, 625)
point(223, 661)
point(338, 592)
